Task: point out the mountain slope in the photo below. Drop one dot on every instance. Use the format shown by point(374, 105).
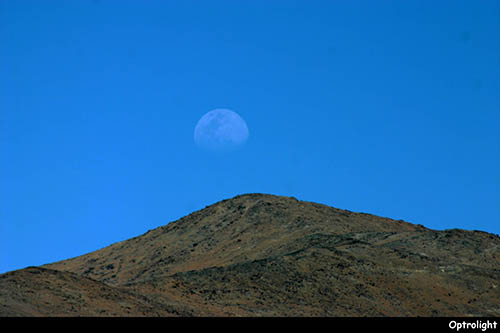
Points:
point(36, 291)
point(268, 255)
point(244, 228)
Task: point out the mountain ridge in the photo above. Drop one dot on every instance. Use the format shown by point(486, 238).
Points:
point(265, 255)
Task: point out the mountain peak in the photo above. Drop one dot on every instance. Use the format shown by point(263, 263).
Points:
point(245, 227)
point(275, 255)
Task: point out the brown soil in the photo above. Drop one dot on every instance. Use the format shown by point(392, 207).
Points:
point(265, 255)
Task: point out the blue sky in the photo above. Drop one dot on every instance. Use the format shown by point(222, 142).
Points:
point(384, 107)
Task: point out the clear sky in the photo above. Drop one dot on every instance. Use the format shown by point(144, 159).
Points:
point(384, 107)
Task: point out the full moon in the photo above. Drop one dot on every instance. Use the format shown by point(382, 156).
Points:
point(220, 130)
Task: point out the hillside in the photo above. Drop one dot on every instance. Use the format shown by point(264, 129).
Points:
point(265, 255)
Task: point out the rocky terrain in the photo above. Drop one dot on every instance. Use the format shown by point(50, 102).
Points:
point(265, 255)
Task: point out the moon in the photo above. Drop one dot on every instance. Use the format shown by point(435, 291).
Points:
point(221, 130)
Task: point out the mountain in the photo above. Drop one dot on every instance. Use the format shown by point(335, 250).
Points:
point(266, 255)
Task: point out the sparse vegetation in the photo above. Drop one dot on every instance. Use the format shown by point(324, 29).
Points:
point(263, 255)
